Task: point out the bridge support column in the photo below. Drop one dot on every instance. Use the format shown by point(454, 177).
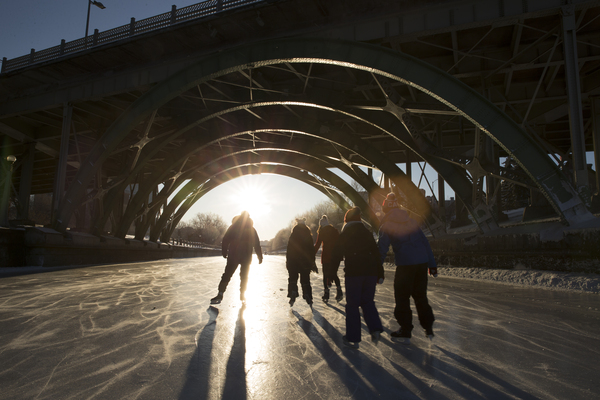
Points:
point(441, 182)
point(61, 171)
point(5, 185)
point(596, 137)
point(25, 185)
point(580, 173)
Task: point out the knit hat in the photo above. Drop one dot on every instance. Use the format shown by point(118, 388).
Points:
point(352, 214)
point(300, 221)
point(324, 221)
point(389, 203)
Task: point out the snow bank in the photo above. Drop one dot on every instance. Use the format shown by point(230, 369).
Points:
point(527, 277)
point(542, 279)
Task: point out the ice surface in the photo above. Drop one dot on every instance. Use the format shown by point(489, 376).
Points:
point(147, 331)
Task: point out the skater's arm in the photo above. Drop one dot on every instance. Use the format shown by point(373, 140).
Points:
point(257, 247)
point(225, 242)
point(384, 245)
point(318, 243)
point(431, 264)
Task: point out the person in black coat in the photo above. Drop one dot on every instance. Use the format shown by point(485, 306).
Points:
point(363, 270)
point(239, 241)
point(327, 235)
point(300, 261)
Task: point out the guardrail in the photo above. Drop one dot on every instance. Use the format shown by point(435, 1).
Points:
point(175, 16)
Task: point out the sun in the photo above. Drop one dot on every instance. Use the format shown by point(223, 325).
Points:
point(253, 197)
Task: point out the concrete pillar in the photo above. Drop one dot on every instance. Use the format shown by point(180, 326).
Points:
point(6, 168)
point(25, 185)
point(569, 26)
point(596, 138)
point(61, 171)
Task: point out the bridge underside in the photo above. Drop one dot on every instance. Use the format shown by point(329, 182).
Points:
point(488, 105)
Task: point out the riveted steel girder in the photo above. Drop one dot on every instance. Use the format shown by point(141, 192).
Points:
point(377, 60)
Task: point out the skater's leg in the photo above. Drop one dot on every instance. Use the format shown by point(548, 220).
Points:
point(306, 288)
point(353, 297)
point(337, 282)
point(244, 272)
point(424, 310)
point(403, 282)
point(292, 283)
point(326, 268)
point(340, 293)
point(230, 268)
point(367, 303)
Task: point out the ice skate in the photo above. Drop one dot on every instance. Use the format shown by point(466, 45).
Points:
point(325, 297)
point(429, 333)
point(293, 295)
point(400, 336)
point(347, 343)
point(339, 296)
point(217, 299)
point(375, 336)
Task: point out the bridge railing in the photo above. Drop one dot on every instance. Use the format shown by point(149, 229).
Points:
point(175, 16)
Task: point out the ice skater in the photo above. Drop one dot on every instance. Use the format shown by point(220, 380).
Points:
point(413, 258)
point(300, 261)
point(239, 241)
point(328, 235)
point(363, 270)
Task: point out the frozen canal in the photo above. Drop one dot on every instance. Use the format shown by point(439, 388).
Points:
point(147, 331)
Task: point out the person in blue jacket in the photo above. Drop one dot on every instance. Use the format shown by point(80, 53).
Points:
point(413, 258)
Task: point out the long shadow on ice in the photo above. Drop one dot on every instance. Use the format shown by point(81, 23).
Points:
point(235, 381)
point(371, 381)
point(197, 375)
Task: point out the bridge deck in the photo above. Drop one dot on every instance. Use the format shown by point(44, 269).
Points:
point(147, 331)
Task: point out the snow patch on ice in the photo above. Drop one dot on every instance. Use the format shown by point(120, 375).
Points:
point(523, 276)
point(528, 277)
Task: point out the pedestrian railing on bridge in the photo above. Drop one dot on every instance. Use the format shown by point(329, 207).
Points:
point(175, 16)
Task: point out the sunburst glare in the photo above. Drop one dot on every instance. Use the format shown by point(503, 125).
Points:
point(252, 196)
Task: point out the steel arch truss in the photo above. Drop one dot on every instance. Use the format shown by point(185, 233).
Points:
point(330, 103)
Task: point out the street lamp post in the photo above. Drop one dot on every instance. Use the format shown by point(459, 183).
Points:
point(87, 22)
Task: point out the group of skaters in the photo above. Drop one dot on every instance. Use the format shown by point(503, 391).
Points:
point(363, 266)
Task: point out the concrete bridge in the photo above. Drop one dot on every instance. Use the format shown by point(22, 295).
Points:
point(493, 94)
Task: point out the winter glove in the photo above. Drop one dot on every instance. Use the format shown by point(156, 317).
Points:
point(433, 272)
point(314, 268)
point(380, 281)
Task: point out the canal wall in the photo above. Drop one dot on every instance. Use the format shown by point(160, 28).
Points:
point(545, 247)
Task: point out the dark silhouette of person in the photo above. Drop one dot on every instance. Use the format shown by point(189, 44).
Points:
point(413, 258)
point(300, 261)
point(327, 235)
point(239, 241)
point(363, 270)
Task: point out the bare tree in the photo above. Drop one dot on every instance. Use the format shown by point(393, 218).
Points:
point(312, 216)
point(207, 228)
